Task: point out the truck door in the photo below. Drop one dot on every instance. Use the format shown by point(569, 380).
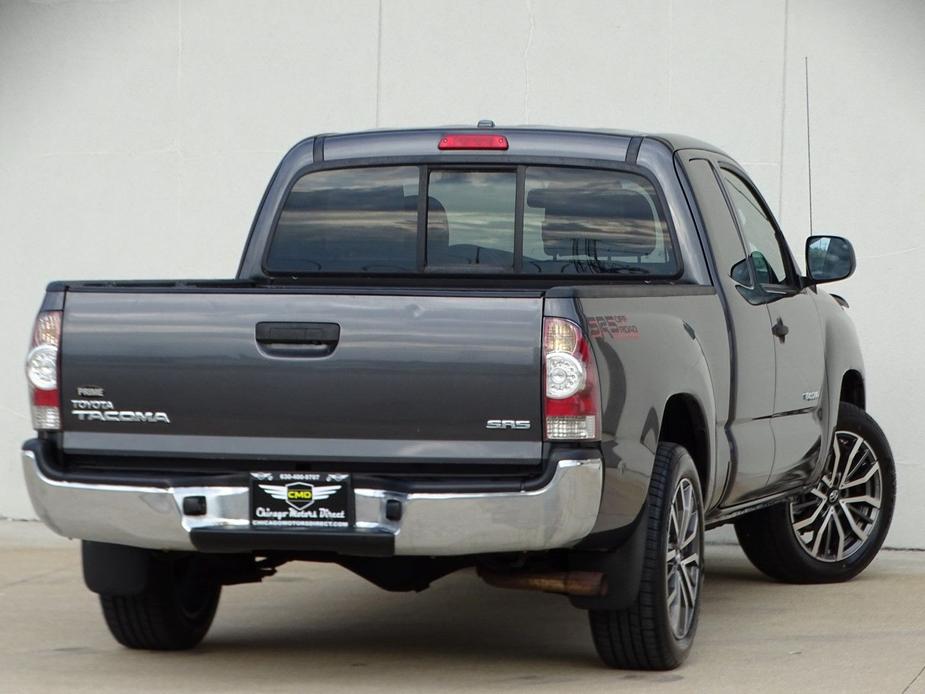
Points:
point(795, 332)
point(751, 400)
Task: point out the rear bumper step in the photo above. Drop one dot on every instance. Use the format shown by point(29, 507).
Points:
point(558, 514)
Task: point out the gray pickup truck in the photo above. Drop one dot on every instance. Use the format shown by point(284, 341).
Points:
point(556, 356)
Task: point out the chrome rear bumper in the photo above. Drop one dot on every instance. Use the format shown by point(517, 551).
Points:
point(433, 524)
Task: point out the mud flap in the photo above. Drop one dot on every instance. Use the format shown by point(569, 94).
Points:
point(621, 565)
point(115, 569)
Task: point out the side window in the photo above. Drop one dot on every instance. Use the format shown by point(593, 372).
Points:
point(724, 237)
point(763, 246)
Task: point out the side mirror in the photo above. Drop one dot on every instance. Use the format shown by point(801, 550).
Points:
point(828, 259)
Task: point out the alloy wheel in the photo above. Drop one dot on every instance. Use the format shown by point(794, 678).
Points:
point(836, 518)
point(683, 559)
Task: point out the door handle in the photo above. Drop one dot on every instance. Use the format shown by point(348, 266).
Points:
point(780, 330)
point(297, 339)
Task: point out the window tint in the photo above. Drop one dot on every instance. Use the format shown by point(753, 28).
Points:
point(587, 221)
point(349, 220)
point(575, 221)
point(760, 236)
point(470, 219)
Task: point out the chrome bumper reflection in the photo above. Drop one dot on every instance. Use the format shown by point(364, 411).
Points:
point(557, 515)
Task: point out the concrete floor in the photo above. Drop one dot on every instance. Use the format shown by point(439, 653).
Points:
point(318, 628)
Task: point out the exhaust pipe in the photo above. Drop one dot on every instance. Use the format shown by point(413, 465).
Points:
point(589, 584)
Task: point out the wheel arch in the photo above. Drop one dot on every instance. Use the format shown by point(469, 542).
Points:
point(684, 423)
point(844, 368)
point(852, 389)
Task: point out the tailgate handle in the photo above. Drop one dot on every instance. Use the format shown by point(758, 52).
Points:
point(298, 339)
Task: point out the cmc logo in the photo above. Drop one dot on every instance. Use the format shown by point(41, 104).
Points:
point(300, 495)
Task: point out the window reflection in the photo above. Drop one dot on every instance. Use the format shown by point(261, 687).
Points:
point(349, 220)
point(584, 221)
point(575, 221)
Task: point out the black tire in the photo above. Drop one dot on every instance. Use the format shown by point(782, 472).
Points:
point(821, 553)
point(645, 636)
point(174, 611)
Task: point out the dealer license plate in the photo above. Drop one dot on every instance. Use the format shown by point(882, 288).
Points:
point(301, 500)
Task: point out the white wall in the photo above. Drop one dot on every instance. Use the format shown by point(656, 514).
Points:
point(136, 137)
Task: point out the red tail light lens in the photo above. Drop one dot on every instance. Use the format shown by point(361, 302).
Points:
point(42, 372)
point(572, 402)
point(473, 142)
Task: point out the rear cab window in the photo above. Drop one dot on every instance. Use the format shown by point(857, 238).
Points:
point(581, 221)
point(535, 220)
point(348, 220)
point(471, 219)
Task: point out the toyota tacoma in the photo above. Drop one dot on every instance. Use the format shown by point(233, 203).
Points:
point(555, 356)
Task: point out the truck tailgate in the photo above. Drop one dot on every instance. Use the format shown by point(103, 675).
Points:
point(373, 378)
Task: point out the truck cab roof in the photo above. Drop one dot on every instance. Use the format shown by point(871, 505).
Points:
point(524, 140)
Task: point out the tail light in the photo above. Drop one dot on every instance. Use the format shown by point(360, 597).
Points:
point(572, 402)
point(42, 371)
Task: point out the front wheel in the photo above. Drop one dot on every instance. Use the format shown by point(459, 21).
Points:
point(656, 631)
point(832, 532)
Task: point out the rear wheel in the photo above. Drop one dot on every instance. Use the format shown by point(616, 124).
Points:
point(832, 532)
point(656, 632)
point(173, 612)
